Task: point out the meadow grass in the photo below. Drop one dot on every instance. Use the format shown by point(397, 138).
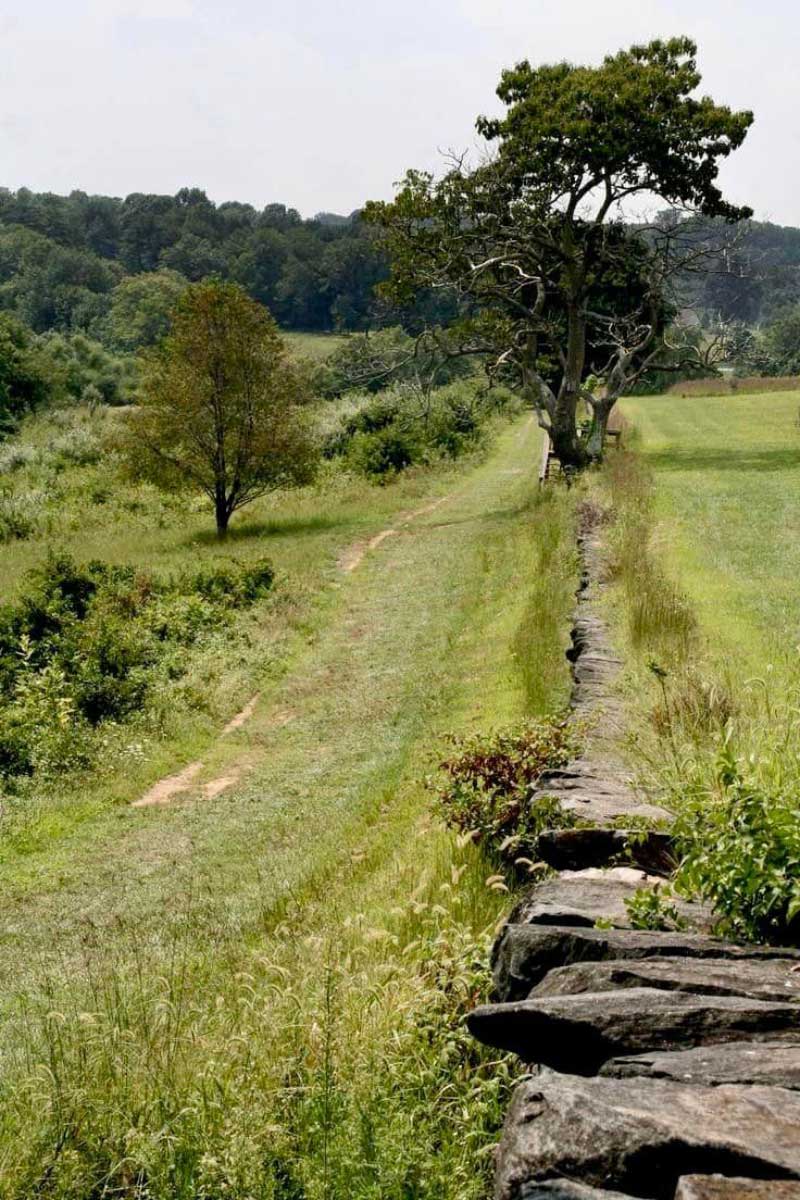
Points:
point(262, 994)
point(314, 346)
point(704, 548)
point(735, 385)
point(727, 479)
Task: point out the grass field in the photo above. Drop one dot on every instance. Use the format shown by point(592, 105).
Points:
point(261, 993)
point(727, 474)
point(704, 554)
point(316, 346)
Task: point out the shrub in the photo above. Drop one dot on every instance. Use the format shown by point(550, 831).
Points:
point(87, 644)
point(234, 583)
point(489, 781)
point(15, 456)
point(651, 908)
point(20, 515)
point(406, 426)
point(40, 730)
point(79, 446)
point(739, 841)
point(384, 453)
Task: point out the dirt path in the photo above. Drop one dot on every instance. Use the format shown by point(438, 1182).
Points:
point(354, 555)
point(184, 782)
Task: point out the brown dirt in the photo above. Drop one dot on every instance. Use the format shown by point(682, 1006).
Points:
point(242, 717)
point(163, 791)
point(354, 555)
point(216, 787)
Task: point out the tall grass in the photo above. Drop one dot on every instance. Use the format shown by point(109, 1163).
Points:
point(733, 385)
point(660, 620)
point(336, 1064)
point(542, 636)
point(292, 1028)
point(721, 750)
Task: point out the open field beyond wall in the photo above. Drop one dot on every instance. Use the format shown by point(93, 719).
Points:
point(261, 994)
point(727, 476)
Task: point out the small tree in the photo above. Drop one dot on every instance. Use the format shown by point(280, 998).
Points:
point(532, 238)
point(221, 407)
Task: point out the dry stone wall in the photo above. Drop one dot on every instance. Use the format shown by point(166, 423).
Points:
point(660, 1065)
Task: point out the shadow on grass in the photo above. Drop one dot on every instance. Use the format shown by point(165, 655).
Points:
point(278, 527)
point(717, 458)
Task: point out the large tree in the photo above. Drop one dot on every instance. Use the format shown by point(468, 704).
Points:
point(532, 239)
point(222, 404)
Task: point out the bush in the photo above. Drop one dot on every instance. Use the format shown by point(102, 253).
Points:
point(405, 427)
point(86, 372)
point(16, 456)
point(489, 783)
point(652, 908)
point(20, 515)
point(384, 453)
point(79, 447)
point(88, 644)
point(740, 849)
point(234, 583)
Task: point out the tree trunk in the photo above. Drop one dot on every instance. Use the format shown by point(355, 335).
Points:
point(601, 411)
point(222, 515)
point(567, 447)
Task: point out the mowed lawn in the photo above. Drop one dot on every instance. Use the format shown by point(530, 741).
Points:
point(727, 474)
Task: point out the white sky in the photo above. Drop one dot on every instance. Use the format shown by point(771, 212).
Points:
point(324, 104)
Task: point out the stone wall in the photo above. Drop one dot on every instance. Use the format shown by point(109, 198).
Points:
point(662, 1065)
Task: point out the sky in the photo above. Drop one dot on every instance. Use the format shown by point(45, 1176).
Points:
point(323, 104)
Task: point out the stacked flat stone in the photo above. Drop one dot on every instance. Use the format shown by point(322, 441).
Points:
point(660, 1065)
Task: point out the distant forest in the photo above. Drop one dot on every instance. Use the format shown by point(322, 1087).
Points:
point(112, 268)
point(83, 263)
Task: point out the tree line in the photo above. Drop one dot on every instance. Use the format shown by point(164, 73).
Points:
point(112, 268)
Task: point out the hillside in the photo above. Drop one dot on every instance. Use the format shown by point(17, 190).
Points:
point(64, 260)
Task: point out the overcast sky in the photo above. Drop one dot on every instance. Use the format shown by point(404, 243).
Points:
point(324, 103)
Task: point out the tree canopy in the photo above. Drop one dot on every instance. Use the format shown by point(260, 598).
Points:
point(532, 238)
point(221, 407)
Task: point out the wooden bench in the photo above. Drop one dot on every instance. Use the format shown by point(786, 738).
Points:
point(547, 454)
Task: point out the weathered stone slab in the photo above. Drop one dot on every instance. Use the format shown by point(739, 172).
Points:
point(600, 808)
point(523, 954)
point(578, 1034)
point(567, 1189)
point(640, 1136)
point(576, 849)
point(771, 1063)
point(722, 1187)
point(586, 897)
point(774, 979)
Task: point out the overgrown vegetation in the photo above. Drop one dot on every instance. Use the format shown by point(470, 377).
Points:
point(738, 834)
point(86, 645)
point(489, 781)
point(279, 977)
point(653, 908)
point(401, 427)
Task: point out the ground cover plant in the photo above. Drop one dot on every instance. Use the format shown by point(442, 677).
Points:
point(704, 554)
point(486, 784)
